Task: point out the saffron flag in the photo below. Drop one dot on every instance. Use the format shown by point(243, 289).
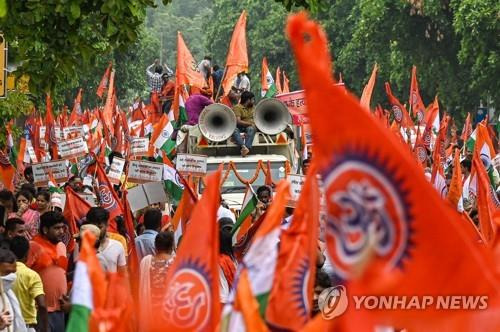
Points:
point(237, 57)
point(104, 81)
point(366, 96)
point(108, 198)
point(296, 266)
point(50, 127)
point(278, 80)
point(107, 113)
point(286, 87)
point(268, 88)
point(398, 110)
point(76, 113)
point(89, 286)
point(187, 71)
point(75, 210)
point(467, 130)
point(455, 190)
point(379, 202)
point(192, 299)
point(432, 123)
point(416, 103)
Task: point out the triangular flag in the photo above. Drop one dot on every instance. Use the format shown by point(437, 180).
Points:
point(416, 103)
point(237, 57)
point(366, 96)
point(104, 81)
point(187, 72)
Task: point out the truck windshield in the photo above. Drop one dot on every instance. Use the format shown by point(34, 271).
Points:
point(247, 171)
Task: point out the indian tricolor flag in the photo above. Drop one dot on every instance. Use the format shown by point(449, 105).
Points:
point(178, 113)
point(52, 184)
point(268, 87)
point(244, 220)
point(262, 256)
point(171, 179)
point(161, 132)
point(89, 286)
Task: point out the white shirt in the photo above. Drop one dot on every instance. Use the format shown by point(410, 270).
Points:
point(111, 256)
point(244, 83)
point(222, 212)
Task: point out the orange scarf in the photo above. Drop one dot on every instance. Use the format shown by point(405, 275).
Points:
point(46, 254)
point(228, 268)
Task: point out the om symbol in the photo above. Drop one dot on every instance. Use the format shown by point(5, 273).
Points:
point(398, 113)
point(107, 199)
point(362, 204)
point(187, 301)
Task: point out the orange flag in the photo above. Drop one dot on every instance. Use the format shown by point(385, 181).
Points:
point(7, 171)
point(278, 80)
point(296, 266)
point(75, 210)
point(488, 206)
point(432, 123)
point(366, 96)
point(379, 205)
point(467, 130)
point(104, 81)
point(192, 299)
point(187, 70)
point(400, 113)
point(107, 113)
point(108, 198)
point(455, 190)
point(419, 149)
point(50, 130)
point(416, 103)
point(76, 113)
point(237, 57)
point(286, 88)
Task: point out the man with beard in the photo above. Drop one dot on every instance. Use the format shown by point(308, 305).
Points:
point(244, 112)
point(47, 256)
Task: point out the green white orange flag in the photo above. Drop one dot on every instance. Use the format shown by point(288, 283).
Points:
point(187, 71)
point(266, 80)
point(261, 258)
point(296, 266)
point(237, 57)
point(162, 131)
point(243, 314)
point(366, 96)
point(89, 286)
point(244, 220)
point(379, 202)
point(171, 178)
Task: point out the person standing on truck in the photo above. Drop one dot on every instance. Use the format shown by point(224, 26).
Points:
point(244, 112)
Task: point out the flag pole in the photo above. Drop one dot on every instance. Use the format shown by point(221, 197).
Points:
point(220, 84)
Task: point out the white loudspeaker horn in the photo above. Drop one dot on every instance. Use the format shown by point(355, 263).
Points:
point(217, 122)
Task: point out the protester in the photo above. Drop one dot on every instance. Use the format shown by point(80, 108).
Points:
point(110, 252)
point(153, 274)
point(122, 235)
point(217, 74)
point(14, 227)
point(204, 67)
point(155, 79)
point(9, 300)
point(321, 283)
point(31, 217)
point(167, 92)
point(242, 82)
point(145, 243)
point(195, 104)
point(244, 112)
point(28, 174)
point(8, 202)
point(47, 256)
point(28, 288)
point(43, 202)
point(227, 262)
point(76, 183)
point(225, 212)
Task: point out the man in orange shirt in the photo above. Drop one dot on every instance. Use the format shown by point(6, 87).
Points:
point(47, 256)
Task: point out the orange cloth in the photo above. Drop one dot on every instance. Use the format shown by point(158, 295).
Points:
point(50, 261)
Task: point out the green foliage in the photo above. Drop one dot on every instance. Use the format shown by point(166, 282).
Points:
point(11, 107)
point(453, 44)
point(53, 39)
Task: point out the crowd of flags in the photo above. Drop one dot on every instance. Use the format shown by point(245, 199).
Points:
point(420, 239)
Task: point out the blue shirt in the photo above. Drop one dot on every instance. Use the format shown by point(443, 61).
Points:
point(145, 243)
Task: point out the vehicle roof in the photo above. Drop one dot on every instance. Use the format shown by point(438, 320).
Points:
point(248, 159)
